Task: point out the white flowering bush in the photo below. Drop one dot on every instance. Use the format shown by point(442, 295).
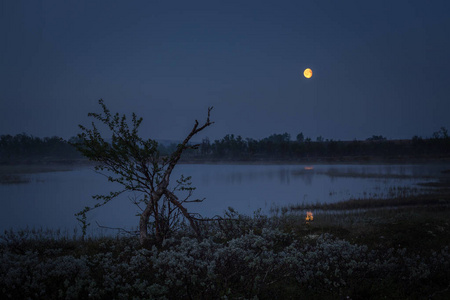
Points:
point(249, 258)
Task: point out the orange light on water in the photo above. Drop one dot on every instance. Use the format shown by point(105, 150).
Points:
point(309, 168)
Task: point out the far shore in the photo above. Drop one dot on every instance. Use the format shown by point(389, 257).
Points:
point(30, 167)
point(366, 160)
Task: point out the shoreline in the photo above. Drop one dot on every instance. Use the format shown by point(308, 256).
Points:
point(321, 161)
point(29, 167)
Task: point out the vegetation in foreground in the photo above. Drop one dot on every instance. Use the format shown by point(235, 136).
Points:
point(397, 253)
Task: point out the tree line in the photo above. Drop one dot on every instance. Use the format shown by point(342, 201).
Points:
point(23, 148)
point(282, 147)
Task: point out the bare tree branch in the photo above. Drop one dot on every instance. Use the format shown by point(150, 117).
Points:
point(119, 229)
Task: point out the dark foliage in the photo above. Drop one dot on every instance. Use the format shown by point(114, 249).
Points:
point(280, 147)
point(23, 148)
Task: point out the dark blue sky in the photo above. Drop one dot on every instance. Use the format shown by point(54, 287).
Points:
point(380, 67)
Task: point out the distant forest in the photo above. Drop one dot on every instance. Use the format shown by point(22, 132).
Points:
point(23, 148)
point(282, 147)
point(26, 149)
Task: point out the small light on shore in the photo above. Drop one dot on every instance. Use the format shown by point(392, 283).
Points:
point(309, 217)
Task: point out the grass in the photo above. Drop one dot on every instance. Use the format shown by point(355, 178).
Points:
point(419, 228)
point(13, 179)
point(337, 173)
point(440, 199)
point(33, 168)
point(17, 174)
point(419, 222)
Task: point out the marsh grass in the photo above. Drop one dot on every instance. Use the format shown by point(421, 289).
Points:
point(419, 228)
point(13, 179)
point(360, 174)
point(336, 173)
point(19, 174)
point(33, 168)
point(375, 203)
point(417, 221)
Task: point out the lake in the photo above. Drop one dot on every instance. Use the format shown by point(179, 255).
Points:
point(50, 200)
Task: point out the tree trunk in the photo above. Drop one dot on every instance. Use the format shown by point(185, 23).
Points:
point(174, 199)
point(161, 190)
point(143, 226)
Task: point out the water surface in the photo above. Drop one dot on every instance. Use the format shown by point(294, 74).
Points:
point(49, 200)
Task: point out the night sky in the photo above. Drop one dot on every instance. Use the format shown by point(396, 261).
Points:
point(379, 67)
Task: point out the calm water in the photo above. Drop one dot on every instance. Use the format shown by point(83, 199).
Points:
point(50, 200)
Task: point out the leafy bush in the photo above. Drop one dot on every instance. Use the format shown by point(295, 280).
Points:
point(262, 261)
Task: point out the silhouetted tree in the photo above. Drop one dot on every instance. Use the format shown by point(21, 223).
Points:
point(23, 148)
point(137, 166)
point(441, 134)
point(205, 148)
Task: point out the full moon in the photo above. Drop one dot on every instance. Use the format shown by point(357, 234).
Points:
point(308, 73)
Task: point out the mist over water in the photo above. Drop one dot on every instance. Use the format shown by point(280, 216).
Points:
point(50, 200)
